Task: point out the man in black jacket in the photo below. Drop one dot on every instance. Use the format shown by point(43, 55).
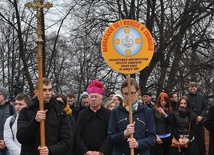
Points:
point(173, 97)
point(58, 136)
point(199, 106)
point(84, 104)
point(70, 98)
point(147, 99)
point(92, 124)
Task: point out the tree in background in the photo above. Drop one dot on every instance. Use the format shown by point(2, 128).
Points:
point(182, 31)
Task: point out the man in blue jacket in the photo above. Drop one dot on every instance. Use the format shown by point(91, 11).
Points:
point(143, 126)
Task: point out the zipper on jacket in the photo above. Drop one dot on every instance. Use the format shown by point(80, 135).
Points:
point(122, 120)
point(141, 121)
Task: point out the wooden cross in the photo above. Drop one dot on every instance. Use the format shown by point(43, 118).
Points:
point(38, 5)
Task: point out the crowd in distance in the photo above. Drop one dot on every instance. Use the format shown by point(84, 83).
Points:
point(98, 126)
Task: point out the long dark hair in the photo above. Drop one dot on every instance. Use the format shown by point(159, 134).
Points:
point(188, 109)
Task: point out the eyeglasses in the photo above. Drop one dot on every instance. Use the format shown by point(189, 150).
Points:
point(132, 93)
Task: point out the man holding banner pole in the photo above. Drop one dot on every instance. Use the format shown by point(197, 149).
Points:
point(120, 129)
point(128, 47)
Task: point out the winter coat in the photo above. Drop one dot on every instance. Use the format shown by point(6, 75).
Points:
point(58, 135)
point(163, 124)
point(6, 110)
point(182, 124)
point(144, 130)
point(10, 139)
point(198, 103)
point(91, 131)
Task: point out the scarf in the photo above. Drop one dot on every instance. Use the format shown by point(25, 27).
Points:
point(134, 107)
point(67, 109)
point(183, 112)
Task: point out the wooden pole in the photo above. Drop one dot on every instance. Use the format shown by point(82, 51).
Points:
point(38, 5)
point(130, 110)
point(41, 99)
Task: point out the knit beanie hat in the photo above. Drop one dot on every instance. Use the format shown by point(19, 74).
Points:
point(83, 94)
point(3, 90)
point(118, 95)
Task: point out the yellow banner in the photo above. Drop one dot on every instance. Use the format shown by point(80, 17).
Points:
point(127, 46)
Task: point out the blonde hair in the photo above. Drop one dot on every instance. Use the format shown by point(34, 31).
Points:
point(108, 104)
point(139, 97)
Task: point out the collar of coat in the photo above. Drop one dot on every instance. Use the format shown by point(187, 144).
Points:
point(53, 103)
point(102, 113)
point(139, 108)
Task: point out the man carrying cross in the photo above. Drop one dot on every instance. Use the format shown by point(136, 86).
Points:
point(58, 135)
point(43, 127)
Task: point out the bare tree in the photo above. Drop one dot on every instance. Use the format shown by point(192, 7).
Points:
point(177, 27)
point(182, 32)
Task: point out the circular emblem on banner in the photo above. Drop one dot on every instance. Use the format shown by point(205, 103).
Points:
point(127, 46)
point(127, 41)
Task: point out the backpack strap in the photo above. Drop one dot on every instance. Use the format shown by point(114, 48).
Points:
point(11, 109)
point(12, 120)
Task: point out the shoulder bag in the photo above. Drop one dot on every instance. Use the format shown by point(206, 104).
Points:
point(175, 142)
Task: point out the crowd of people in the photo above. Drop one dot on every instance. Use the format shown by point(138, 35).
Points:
point(99, 126)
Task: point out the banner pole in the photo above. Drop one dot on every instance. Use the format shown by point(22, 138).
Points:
point(130, 110)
